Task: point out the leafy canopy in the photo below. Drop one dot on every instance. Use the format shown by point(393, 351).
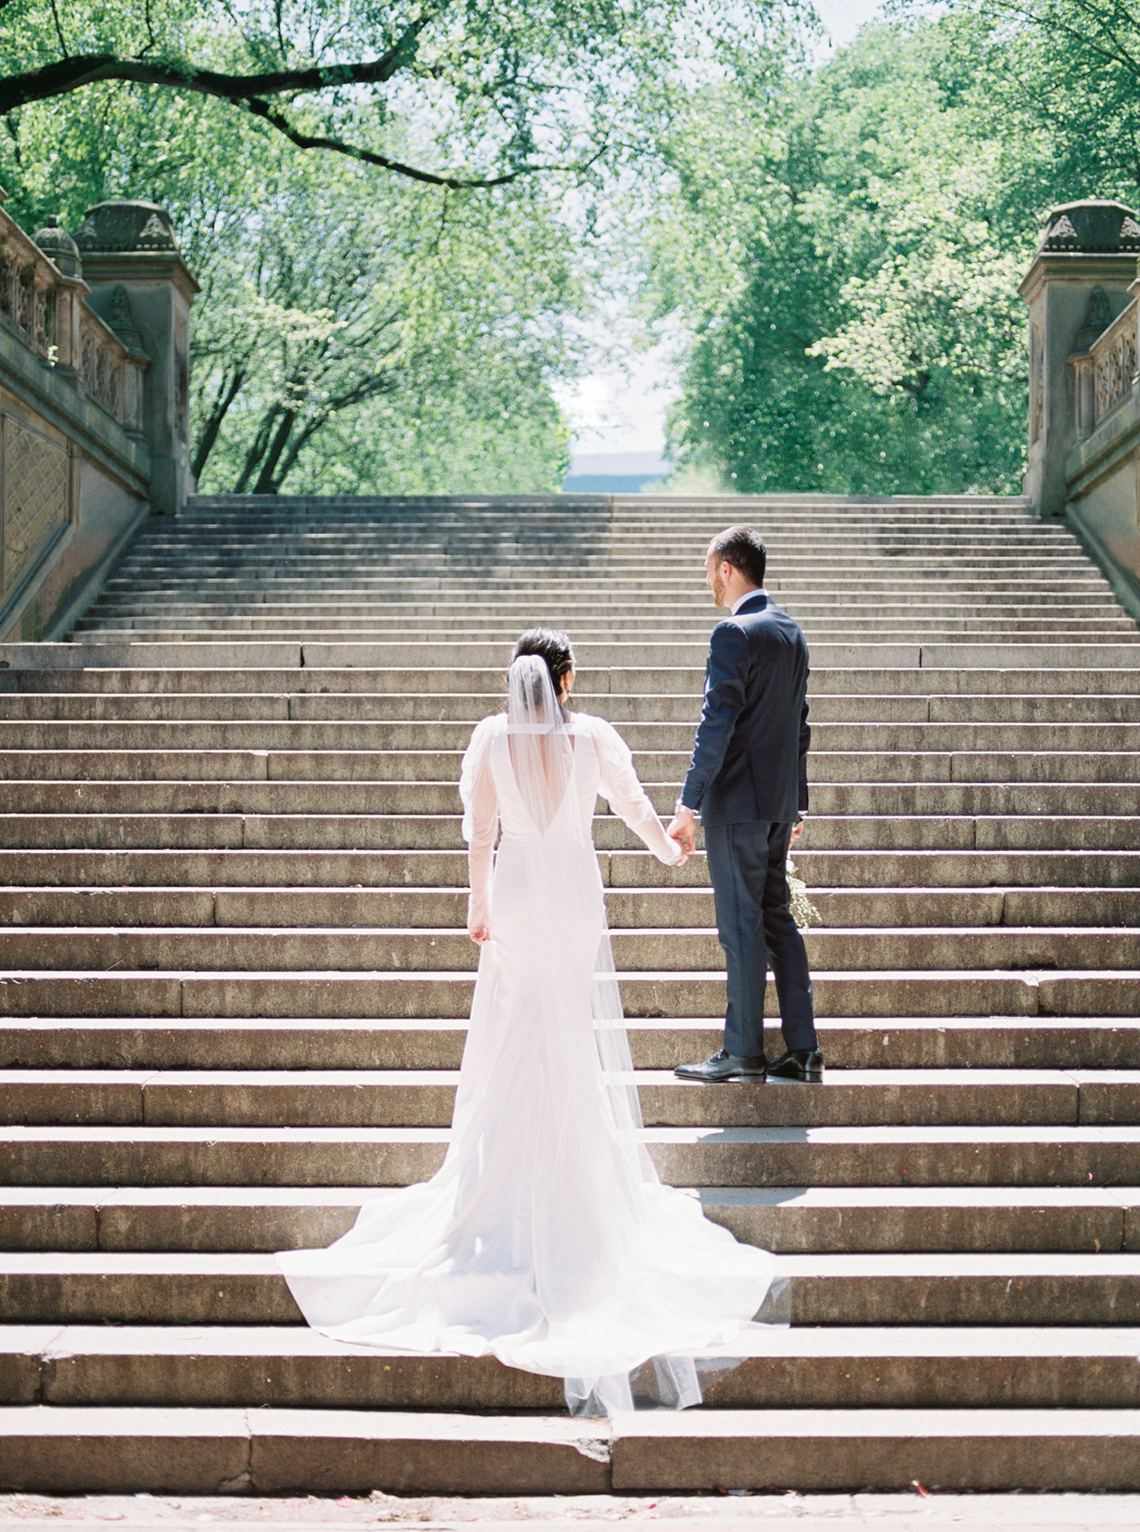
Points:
point(509, 87)
point(846, 247)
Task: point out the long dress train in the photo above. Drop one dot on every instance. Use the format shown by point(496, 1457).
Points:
point(546, 1238)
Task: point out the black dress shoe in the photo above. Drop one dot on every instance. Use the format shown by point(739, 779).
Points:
point(798, 1064)
point(724, 1066)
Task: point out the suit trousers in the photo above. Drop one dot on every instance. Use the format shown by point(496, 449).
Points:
point(750, 886)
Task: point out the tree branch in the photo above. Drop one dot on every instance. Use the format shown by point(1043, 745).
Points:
point(248, 93)
point(68, 74)
point(59, 28)
point(277, 119)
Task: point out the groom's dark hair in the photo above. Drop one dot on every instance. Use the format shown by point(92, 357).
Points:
point(744, 549)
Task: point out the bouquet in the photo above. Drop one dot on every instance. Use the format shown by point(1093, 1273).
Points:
point(804, 912)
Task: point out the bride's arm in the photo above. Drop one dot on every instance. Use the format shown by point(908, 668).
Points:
point(480, 826)
point(626, 796)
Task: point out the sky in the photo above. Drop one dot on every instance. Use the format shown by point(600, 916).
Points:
point(622, 408)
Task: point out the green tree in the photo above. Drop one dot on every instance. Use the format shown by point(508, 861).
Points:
point(865, 333)
point(512, 87)
point(395, 312)
point(333, 296)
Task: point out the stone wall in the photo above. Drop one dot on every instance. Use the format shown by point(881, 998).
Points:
point(1084, 402)
point(93, 403)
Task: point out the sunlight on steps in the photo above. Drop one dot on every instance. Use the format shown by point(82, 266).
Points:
point(234, 980)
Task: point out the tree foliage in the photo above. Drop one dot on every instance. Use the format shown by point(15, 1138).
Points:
point(859, 329)
point(394, 315)
point(511, 87)
point(340, 308)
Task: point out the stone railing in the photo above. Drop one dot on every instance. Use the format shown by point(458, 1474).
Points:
point(44, 308)
point(1084, 395)
point(109, 373)
point(1105, 375)
point(1114, 364)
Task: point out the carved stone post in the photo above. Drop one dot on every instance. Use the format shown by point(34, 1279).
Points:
point(1080, 276)
point(131, 257)
point(67, 297)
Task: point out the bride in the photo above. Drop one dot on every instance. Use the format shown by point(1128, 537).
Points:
point(546, 1238)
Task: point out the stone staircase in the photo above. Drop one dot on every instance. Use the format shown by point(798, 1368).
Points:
point(234, 983)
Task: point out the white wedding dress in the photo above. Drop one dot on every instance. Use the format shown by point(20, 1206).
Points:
point(546, 1238)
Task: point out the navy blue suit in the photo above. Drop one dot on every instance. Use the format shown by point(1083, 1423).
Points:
point(748, 780)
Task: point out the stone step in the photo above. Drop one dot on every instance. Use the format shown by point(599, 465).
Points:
point(1034, 1042)
point(342, 993)
point(827, 638)
point(589, 603)
point(548, 583)
point(854, 1156)
point(411, 1098)
point(1063, 599)
point(817, 563)
point(469, 540)
point(864, 869)
point(466, 709)
point(435, 908)
point(274, 1367)
point(187, 1288)
point(398, 951)
point(1092, 626)
point(261, 764)
point(788, 1220)
point(645, 739)
point(601, 684)
point(879, 801)
point(545, 535)
point(60, 1451)
point(262, 654)
point(629, 712)
point(938, 869)
point(442, 832)
point(589, 597)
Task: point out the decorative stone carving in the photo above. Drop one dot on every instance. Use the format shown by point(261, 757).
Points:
point(35, 497)
point(127, 226)
point(1114, 365)
point(59, 247)
point(119, 317)
point(1098, 315)
point(24, 302)
point(1080, 364)
point(1099, 226)
point(1036, 382)
point(101, 367)
point(1062, 231)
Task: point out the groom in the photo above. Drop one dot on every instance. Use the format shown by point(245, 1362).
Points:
point(747, 782)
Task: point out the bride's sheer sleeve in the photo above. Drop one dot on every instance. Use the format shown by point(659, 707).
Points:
point(480, 821)
point(625, 795)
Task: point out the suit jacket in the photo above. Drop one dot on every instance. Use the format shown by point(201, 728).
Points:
point(749, 761)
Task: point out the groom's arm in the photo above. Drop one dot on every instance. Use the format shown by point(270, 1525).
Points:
point(724, 698)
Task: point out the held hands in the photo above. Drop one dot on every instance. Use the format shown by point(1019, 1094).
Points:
point(478, 920)
point(683, 829)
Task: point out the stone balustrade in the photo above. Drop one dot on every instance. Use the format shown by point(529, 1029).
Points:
point(44, 307)
point(94, 411)
point(1113, 365)
point(1084, 394)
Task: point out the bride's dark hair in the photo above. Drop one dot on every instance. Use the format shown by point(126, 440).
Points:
point(554, 647)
